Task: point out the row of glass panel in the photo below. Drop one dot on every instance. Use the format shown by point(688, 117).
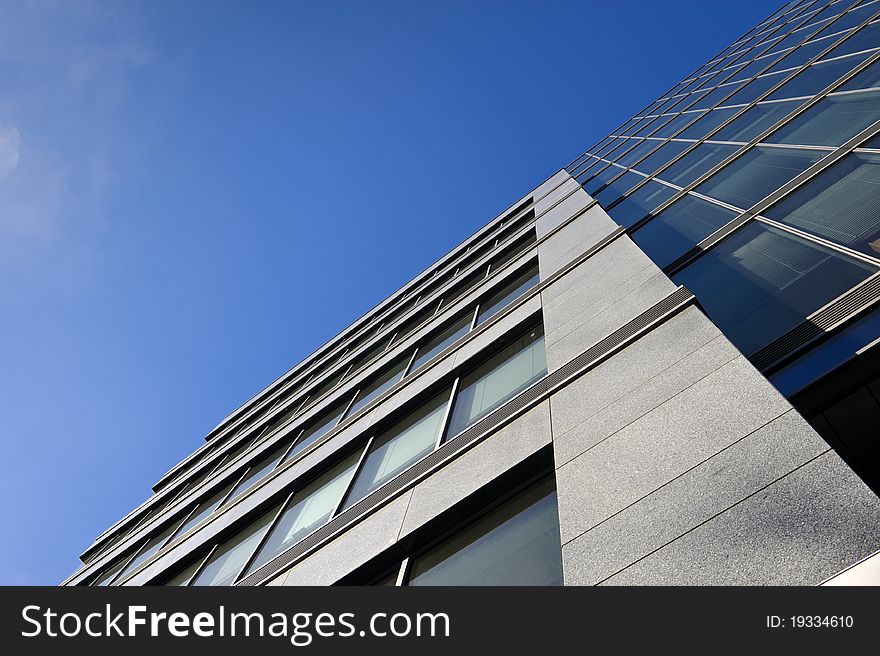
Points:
point(807, 83)
point(489, 307)
point(711, 71)
point(313, 431)
point(473, 252)
point(830, 123)
point(514, 543)
point(433, 421)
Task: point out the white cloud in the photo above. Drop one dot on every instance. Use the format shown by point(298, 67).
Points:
point(10, 151)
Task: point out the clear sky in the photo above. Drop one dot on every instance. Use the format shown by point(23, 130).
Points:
point(195, 195)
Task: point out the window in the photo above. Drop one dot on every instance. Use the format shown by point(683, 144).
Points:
point(676, 124)
point(517, 543)
point(754, 121)
point(316, 430)
point(680, 227)
point(617, 188)
point(259, 469)
point(754, 89)
point(840, 204)
point(662, 155)
point(509, 293)
point(708, 123)
point(203, 510)
point(637, 153)
point(757, 173)
point(306, 510)
point(639, 203)
point(761, 282)
point(601, 179)
point(375, 387)
point(230, 557)
point(832, 121)
point(499, 379)
point(396, 449)
point(151, 547)
point(696, 163)
point(812, 80)
point(437, 344)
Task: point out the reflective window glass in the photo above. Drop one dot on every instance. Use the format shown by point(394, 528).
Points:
point(832, 121)
point(617, 188)
point(696, 163)
point(499, 379)
point(867, 38)
point(402, 445)
point(680, 227)
point(316, 430)
point(204, 509)
point(639, 204)
point(231, 556)
point(507, 294)
point(637, 153)
point(839, 204)
point(602, 178)
point(517, 543)
point(449, 335)
point(761, 282)
point(755, 174)
point(676, 124)
point(754, 121)
point(868, 78)
point(708, 123)
point(662, 155)
point(812, 80)
point(378, 385)
point(257, 471)
point(308, 509)
point(755, 89)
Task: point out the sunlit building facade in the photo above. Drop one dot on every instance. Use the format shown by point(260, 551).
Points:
point(659, 366)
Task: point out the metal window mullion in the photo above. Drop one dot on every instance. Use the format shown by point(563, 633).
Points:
point(772, 198)
point(262, 541)
point(795, 112)
point(821, 241)
point(293, 443)
point(444, 423)
point(475, 317)
point(202, 565)
point(354, 475)
point(408, 369)
point(403, 572)
point(134, 553)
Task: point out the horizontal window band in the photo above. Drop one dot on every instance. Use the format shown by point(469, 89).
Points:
point(825, 320)
point(659, 313)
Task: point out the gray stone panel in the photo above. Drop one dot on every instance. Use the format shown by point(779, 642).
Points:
point(610, 313)
point(703, 419)
point(635, 402)
point(558, 205)
point(654, 353)
point(547, 187)
point(798, 531)
point(691, 499)
point(575, 238)
point(478, 466)
point(353, 548)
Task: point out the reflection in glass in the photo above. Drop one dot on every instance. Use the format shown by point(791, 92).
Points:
point(403, 444)
point(680, 227)
point(308, 509)
point(517, 543)
point(499, 379)
point(840, 204)
point(639, 204)
point(761, 282)
point(757, 173)
point(230, 557)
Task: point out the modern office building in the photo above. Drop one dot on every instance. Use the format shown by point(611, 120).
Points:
point(659, 366)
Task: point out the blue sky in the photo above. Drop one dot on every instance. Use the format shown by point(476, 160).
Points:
point(194, 196)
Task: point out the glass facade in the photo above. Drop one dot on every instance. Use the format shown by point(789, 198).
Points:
point(753, 183)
